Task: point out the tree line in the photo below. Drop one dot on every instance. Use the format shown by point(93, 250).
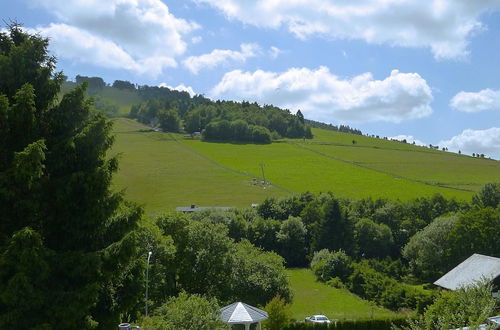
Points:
point(222, 120)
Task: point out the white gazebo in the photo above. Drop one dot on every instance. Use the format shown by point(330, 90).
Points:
point(241, 313)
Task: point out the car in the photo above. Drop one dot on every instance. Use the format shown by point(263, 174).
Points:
point(317, 319)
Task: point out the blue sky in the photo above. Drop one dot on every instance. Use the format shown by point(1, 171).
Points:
point(421, 70)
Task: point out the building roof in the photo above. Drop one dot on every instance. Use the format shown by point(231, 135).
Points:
point(240, 313)
point(194, 208)
point(471, 270)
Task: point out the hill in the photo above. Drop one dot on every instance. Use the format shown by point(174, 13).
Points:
point(165, 170)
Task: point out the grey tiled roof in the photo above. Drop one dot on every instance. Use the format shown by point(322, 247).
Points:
point(239, 313)
point(471, 270)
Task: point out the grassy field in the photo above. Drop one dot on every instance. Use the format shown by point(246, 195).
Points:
point(162, 170)
point(161, 173)
point(311, 297)
point(299, 168)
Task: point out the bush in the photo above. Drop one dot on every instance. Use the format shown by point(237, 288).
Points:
point(326, 265)
point(385, 291)
point(186, 312)
point(279, 314)
point(336, 283)
point(369, 324)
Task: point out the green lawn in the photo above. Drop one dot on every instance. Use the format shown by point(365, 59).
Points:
point(161, 173)
point(311, 297)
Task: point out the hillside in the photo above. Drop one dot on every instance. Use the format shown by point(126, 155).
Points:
point(165, 170)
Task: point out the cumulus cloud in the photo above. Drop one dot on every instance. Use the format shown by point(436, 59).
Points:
point(444, 26)
point(321, 95)
point(181, 88)
point(476, 141)
point(408, 138)
point(137, 35)
point(486, 99)
point(219, 57)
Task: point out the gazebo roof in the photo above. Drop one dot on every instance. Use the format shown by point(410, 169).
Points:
point(239, 312)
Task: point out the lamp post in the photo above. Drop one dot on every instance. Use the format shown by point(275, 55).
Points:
point(147, 278)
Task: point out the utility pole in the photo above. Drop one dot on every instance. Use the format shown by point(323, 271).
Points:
point(147, 279)
point(262, 168)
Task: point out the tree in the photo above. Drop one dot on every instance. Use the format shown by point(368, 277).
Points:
point(327, 265)
point(292, 241)
point(489, 195)
point(186, 312)
point(334, 230)
point(468, 306)
point(426, 250)
point(476, 231)
point(169, 120)
point(373, 240)
point(279, 314)
point(58, 210)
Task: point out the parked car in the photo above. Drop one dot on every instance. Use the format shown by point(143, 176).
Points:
point(317, 319)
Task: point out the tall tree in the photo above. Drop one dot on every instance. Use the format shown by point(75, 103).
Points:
point(64, 232)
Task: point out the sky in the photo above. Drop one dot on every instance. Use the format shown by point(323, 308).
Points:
point(424, 71)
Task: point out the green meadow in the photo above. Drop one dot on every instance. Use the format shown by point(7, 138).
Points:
point(161, 173)
point(312, 297)
point(163, 170)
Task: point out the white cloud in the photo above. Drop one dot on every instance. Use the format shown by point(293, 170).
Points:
point(486, 99)
point(274, 52)
point(220, 56)
point(140, 32)
point(196, 39)
point(409, 139)
point(181, 88)
point(321, 95)
point(444, 26)
point(476, 141)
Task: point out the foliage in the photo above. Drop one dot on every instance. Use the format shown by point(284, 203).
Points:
point(221, 120)
point(95, 84)
point(373, 240)
point(58, 210)
point(360, 324)
point(169, 120)
point(327, 265)
point(476, 231)
point(208, 262)
point(292, 241)
point(468, 306)
point(279, 314)
point(489, 195)
point(426, 250)
point(185, 312)
point(385, 291)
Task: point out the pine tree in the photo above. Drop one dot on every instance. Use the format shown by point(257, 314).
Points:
point(66, 239)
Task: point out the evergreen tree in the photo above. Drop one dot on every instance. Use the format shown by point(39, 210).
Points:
point(66, 239)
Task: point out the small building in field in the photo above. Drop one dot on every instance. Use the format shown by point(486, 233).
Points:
point(473, 269)
point(194, 208)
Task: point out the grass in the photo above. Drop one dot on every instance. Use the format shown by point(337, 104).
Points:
point(162, 170)
point(298, 169)
point(160, 173)
point(312, 297)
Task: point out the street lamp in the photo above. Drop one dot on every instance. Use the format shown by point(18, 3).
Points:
point(147, 278)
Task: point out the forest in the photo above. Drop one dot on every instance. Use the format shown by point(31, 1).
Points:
point(72, 250)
